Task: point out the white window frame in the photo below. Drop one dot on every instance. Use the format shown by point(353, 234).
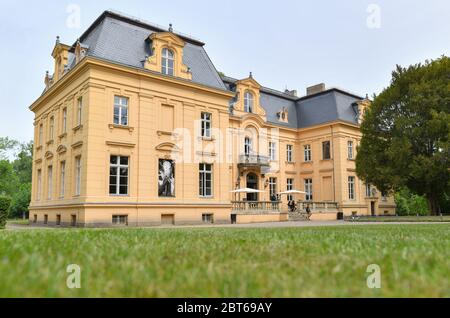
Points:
point(350, 149)
point(49, 182)
point(79, 110)
point(248, 102)
point(309, 189)
point(368, 190)
point(203, 173)
point(119, 166)
point(272, 186)
point(272, 150)
point(121, 104)
point(77, 175)
point(351, 188)
point(289, 150)
point(206, 124)
point(62, 180)
point(289, 186)
point(64, 118)
point(307, 153)
point(41, 134)
point(51, 128)
point(165, 58)
point(121, 219)
point(39, 185)
point(248, 146)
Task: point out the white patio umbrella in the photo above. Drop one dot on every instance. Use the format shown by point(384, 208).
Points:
point(245, 190)
point(293, 192)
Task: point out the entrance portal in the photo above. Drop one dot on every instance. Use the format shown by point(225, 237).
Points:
point(252, 183)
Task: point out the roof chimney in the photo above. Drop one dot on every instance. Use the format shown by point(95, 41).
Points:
point(311, 90)
point(291, 92)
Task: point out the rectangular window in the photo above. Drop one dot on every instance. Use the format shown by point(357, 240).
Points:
point(49, 182)
point(39, 185)
point(272, 150)
point(120, 219)
point(62, 181)
point(45, 218)
point(351, 188)
point(79, 110)
point(73, 220)
point(208, 218)
point(118, 175)
point(307, 152)
point(52, 128)
point(350, 149)
point(289, 186)
point(308, 189)
point(206, 125)
point(64, 120)
point(205, 180)
point(35, 218)
point(41, 134)
point(77, 175)
point(272, 186)
point(121, 110)
point(289, 153)
point(58, 219)
point(368, 190)
point(326, 151)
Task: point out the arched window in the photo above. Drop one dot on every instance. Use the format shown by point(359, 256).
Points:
point(167, 62)
point(247, 146)
point(248, 102)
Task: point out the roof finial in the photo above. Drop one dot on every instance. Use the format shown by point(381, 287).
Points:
point(251, 75)
point(170, 27)
point(57, 39)
point(367, 96)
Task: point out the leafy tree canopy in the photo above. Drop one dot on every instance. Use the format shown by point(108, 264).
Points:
point(406, 133)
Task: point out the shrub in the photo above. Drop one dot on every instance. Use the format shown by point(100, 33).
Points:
point(20, 201)
point(4, 206)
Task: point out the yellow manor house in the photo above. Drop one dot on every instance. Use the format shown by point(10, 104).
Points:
point(136, 127)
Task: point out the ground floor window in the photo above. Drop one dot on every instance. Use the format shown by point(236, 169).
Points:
point(208, 218)
point(205, 180)
point(289, 186)
point(58, 219)
point(351, 188)
point(120, 219)
point(308, 190)
point(273, 186)
point(45, 219)
point(118, 175)
point(35, 218)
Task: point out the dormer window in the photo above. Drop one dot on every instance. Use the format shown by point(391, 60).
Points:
point(167, 62)
point(248, 102)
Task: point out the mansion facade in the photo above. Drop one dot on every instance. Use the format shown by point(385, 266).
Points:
point(136, 127)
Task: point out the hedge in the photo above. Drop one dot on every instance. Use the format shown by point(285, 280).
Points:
point(4, 206)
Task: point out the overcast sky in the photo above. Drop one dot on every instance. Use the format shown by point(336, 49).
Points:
point(352, 44)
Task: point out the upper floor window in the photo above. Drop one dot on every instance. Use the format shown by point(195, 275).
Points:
point(62, 186)
point(248, 102)
point(39, 184)
point(120, 110)
point(49, 182)
point(247, 146)
point(205, 180)
point(118, 175)
point(272, 186)
point(272, 150)
point(41, 134)
point(307, 153)
point(167, 62)
point(79, 110)
point(326, 151)
point(289, 153)
point(64, 120)
point(206, 125)
point(350, 149)
point(52, 128)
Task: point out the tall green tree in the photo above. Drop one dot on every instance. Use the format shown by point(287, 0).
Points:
point(406, 133)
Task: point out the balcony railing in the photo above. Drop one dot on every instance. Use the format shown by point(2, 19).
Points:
point(253, 160)
point(317, 206)
point(256, 207)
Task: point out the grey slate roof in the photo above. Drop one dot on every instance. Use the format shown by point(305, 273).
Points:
point(123, 40)
point(327, 106)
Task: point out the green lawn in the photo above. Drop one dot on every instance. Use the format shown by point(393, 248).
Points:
point(412, 218)
point(18, 221)
point(216, 262)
